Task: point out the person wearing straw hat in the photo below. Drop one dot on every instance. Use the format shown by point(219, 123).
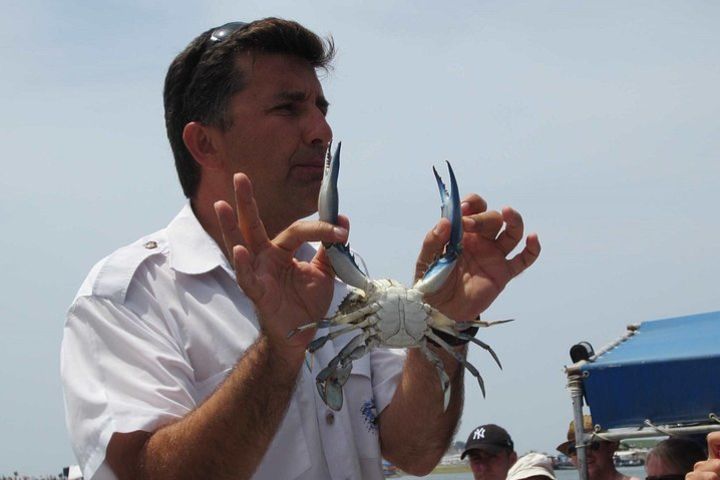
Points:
point(599, 454)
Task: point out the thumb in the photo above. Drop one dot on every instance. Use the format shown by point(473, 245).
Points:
point(713, 444)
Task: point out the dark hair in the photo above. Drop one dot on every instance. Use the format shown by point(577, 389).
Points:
point(680, 454)
point(203, 77)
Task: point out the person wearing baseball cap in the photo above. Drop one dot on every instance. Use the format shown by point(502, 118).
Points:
point(491, 452)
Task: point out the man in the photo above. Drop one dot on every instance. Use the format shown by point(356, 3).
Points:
point(171, 371)
point(600, 453)
point(491, 452)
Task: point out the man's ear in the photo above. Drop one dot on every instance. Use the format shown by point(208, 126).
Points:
point(202, 144)
point(513, 457)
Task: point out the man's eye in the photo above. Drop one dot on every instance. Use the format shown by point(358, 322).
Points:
point(286, 107)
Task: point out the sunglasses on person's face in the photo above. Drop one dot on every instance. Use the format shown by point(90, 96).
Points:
point(594, 446)
point(676, 476)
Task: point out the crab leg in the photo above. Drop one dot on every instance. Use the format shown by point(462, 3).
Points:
point(470, 338)
point(481, 323)
point(341, 258)
point(321, 341)
point(458, 356)
point(338, 319)
point(440, 270)
point(444, 379)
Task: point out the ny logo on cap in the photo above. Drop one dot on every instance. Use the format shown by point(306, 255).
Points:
point(479, 433)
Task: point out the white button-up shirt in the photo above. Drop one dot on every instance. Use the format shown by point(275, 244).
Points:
point(159, 324)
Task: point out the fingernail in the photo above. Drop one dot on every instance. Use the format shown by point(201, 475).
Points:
point(469, 222)
point(340, 232)
point(464, 206)
point(439, 229)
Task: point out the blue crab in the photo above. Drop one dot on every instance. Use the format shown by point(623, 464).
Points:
point(384, 312)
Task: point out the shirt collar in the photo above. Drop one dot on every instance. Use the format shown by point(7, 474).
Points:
point(192, 250)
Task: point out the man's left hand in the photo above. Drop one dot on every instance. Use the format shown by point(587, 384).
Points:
point(483, 268)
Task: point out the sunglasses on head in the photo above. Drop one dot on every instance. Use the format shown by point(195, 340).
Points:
point(594, 446)
point(224, 31)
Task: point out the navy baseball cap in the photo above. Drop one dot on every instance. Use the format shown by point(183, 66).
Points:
point(490, 438)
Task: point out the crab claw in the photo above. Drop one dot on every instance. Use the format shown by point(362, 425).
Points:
point(341, 258)
point(330, 381)
point(439, 271)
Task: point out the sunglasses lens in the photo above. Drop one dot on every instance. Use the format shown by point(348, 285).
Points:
point(594, 446)
point(222, 32)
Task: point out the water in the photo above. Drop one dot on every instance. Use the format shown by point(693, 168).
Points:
point(638, 472)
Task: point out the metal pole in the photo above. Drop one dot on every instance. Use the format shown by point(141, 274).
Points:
point(576, 394)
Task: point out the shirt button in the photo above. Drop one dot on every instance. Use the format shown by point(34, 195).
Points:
point(151, 244)
point(330, 418)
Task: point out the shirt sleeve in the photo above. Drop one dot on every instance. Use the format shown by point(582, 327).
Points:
point(387, 365)
point(121, 373)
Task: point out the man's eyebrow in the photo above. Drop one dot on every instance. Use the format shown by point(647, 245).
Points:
point(300, 96)
point(323, 103)
point(292, 96)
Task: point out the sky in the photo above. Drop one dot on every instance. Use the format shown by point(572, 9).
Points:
point(598, 121)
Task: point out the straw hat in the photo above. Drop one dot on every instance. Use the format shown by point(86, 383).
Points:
point(587, 427)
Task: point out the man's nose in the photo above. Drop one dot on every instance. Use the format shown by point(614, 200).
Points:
point(318, 131)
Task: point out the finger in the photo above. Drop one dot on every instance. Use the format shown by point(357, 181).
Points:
point(707, 467)
point(513, 233)
point(245, 275)
point(248, 217)
point(527, 257)
point(309, 231)
point(713, 445)
point(473, 204)
point(321, 259)
point(433, 246)
point(486, 224)
point(344, 222)
point(701, 475)
point(228, 226)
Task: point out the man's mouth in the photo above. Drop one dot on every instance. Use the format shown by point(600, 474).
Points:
point(308, 171)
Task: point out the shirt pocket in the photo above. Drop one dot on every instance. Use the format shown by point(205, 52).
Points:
point(358, 393)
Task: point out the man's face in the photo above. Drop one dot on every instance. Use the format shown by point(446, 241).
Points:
point(278, 136)
point(491, 466)
point(599, 459)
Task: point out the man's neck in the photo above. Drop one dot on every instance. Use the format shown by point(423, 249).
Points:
point(204, 211)
point(608, 473)
point(205, 214)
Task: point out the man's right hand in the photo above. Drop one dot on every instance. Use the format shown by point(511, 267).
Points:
point(286, 292)
point(710, 468)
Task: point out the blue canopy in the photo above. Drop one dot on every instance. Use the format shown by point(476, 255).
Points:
point(664, 372)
